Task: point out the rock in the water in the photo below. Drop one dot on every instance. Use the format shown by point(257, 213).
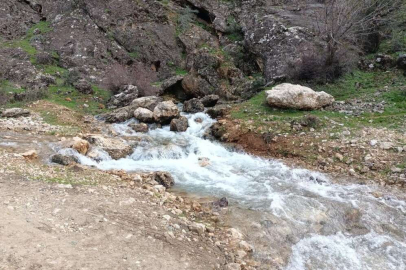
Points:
point(127, 94)
point(164, 178)
point(64, 160)
point(15, 112)
point(116, 148)
point(30, 155)
point(141, 127)
point(290, 96)
point(204, 162)
point(193, 106)
point(84, 87)
point(80, 145)
point(180, 124)
point(401, 62)
point(144, 115)
point(210, 100)
point(165, 111)
point(146, 102)
point(217, 111)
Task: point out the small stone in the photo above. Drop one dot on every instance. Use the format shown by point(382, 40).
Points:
point(30, 155)
point(167, 217)
point(373, 142)
point(339, 156)
point(246, 247)
point(233, 266)
point(386, 145)
point(197, 228)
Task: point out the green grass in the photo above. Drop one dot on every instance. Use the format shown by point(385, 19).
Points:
point(259, 114)
point(7, 87)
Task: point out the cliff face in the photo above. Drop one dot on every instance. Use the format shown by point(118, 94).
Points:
point(229, 48)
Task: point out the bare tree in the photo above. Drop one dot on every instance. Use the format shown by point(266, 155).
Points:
point(346, 22)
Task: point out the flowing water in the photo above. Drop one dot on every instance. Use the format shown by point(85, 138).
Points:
point(302, 219)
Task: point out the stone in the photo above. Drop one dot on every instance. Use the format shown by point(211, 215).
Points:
point(164, 178)
point(233, 266)
point(84, 87)
point(235, 234)
point(15, 113)
point(80, 145)
point(401, 62)
point(149, 102)
point(386, 145)
point(141, 127)
point(373, 142)
point(125, 96)
point(223, 202)
point(180, 124)
point(30, 155)
point(298, 97)
point(144, 115)
point(339, 156)
point(165, 111)
point(210, 100)
point(204, 162)
point(193, 106)
point(64, 160)
point(117, 148)
point(198, 228)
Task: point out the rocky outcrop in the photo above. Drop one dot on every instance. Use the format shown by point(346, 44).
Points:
point(14, 113)
point(401, 62)
point(64, 160)
point(165, 111)
point(180, 124)
point(127, 94)
point(83, 87)
point(193, 105)
point(146, 102)
point(298, 97)
point(164, 178)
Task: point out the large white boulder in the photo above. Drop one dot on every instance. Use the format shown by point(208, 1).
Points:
point(165, 111)
point(291, 96)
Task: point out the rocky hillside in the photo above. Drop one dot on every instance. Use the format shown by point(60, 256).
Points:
point(188, 48)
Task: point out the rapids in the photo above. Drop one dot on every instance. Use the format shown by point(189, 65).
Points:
point(303, 218)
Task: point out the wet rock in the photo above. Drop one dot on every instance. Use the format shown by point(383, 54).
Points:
point(141, 127)
point(124, 98)
point(218, 131)
point(30, 155)
point(15, 112)
point(165, 111)
point(164, 178)
point(216, 112)
point(210, 100)
point(64, 160)
point(119, 115)
point(80, 145)
point(115, 147)
point(180, 124)
point(291, 96)
point(223, 202)
point(144, 115)
point(84, 87)
point(204, 162)
point(193, 106)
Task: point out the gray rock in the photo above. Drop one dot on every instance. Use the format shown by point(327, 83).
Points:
point(15, 113)
point(141, 127)
point(210, 100)
point(164, 178)
point(127, 94)
point(144, 115)
point(193, 106)
point(84, 87)
point(149, 102)
point(401, 62)
point(165, 111)
point(64, 160)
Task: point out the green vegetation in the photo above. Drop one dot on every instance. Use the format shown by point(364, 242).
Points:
point(361, 85)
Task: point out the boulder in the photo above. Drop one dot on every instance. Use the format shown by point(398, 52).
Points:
point(193, 106)
point(289, 96)
point(115, 147)
point(141, 127)
point(84, 87)
point(119, 115)
point(210, 100)
point(64, 160)
point(144, 115)
point(127, 94)
point(165, 111)
point(80, 145)
point(180, 124)
point(401, 62)
point(15, 112)
point(164, 178)
point(146, 102)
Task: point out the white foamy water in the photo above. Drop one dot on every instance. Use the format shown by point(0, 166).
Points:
point(325, 225)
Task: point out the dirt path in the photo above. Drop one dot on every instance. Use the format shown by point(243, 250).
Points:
point(56, 226)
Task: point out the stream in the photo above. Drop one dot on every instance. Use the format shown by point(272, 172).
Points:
point(295, 218)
